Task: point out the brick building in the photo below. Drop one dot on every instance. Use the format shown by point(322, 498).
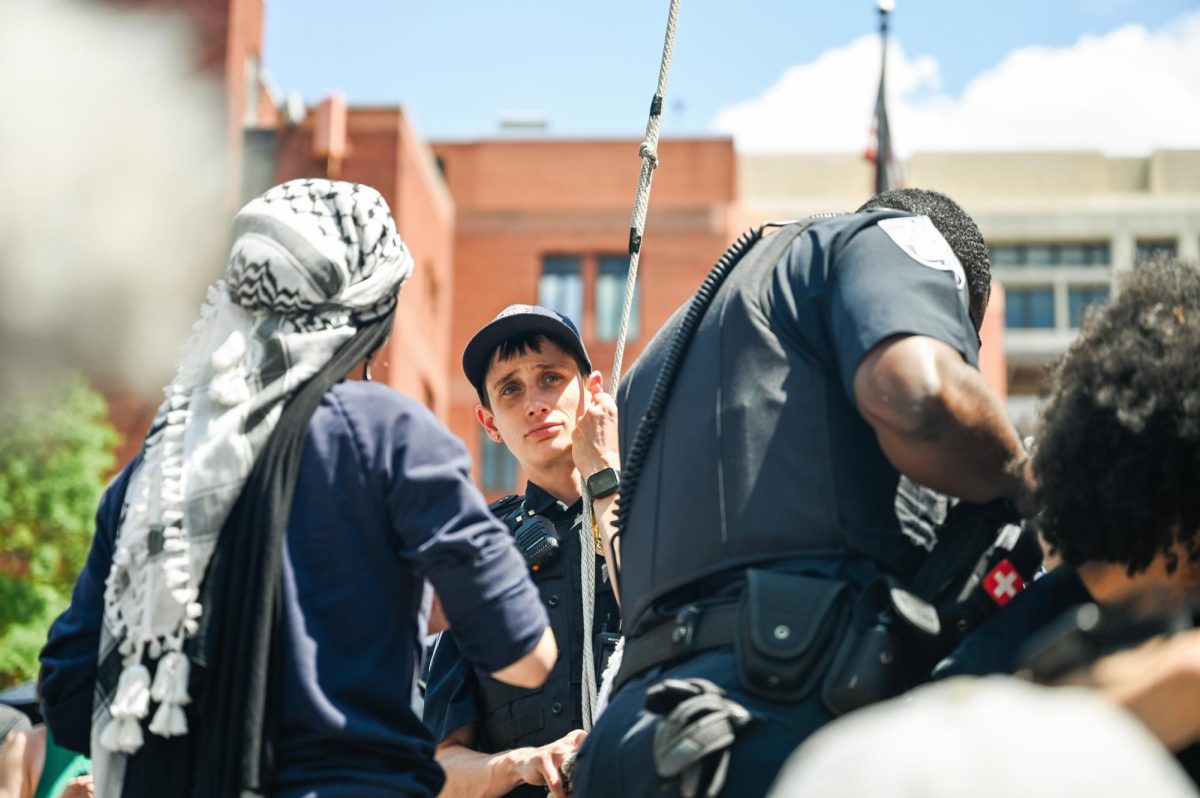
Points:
point(378, 146)
point(227, 47)
point(547, 221)
point(370, 145)
point(489, 222)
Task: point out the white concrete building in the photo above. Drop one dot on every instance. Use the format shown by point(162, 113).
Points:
point(1061, 226)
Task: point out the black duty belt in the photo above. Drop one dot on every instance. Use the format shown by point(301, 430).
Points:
point(696, 629)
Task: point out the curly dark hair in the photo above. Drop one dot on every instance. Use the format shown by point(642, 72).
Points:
point(959, 230)
point(1117, 460)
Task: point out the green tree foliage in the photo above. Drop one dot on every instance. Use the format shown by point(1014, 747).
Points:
point(55, 450)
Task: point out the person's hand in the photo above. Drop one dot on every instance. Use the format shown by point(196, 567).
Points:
point(543, 765)
point(594, 444)
point(1159, 682)
point(81, 787)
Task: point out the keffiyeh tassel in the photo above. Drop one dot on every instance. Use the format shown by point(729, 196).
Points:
point(176, 567)
point(129, 706)
point(123, 735)
point(171, 691)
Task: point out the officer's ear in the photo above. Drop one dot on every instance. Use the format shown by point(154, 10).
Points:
point(593, 382)
point(978, 309)
point(487, 419)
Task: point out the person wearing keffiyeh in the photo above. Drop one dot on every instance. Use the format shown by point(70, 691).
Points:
point(247, 621)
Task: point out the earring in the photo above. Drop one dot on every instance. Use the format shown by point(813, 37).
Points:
point(367, 369)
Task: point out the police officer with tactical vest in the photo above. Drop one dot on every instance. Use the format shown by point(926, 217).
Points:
point(765, 430)
point(538, 396)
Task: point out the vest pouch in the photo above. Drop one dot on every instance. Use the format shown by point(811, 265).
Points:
point(869, 666)
point(865, 672)
point(789, 629)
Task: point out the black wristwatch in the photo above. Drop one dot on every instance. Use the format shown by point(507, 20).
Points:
point(604, 482)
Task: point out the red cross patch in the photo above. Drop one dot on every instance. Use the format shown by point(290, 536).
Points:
point(1003, 582)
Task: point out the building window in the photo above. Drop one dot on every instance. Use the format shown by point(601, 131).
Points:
point(1081, 298)
point(498, 470)
point(1039, 255)
point(1029, 308)
point(611, 275)
point(561, 286)
point(1083, 254)
point(1094, 253)
point(1154, 249)
point(1007, 255)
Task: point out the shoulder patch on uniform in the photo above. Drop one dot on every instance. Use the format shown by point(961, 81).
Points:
point(922, 242)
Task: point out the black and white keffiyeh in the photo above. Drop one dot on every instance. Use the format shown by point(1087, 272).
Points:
point(312, 263)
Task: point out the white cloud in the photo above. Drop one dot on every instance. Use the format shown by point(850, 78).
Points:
point(1129, 91)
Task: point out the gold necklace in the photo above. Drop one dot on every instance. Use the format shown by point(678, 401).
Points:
point(599, 544)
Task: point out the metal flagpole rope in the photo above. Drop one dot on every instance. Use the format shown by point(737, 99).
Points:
point(637, 225)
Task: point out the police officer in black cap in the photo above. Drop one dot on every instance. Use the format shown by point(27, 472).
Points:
point(539, 396)
point(764, 432)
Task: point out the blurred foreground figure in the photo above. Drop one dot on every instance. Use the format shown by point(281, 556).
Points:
point(99, 270)
point(32, 765)
point(235, 659)
point(987, 738)
point(759, 538)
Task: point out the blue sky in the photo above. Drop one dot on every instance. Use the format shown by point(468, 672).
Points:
point(591, 67)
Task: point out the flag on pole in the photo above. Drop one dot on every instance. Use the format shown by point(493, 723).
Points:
point(888, 172)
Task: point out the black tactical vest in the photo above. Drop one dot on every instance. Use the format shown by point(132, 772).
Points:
point(760, 454)
point(514, 717)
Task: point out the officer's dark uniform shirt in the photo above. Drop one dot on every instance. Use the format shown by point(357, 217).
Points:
point(383, 498)
point(505, 717)
point(762, 454)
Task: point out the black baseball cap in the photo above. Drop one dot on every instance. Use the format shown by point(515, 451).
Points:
point(518, 320)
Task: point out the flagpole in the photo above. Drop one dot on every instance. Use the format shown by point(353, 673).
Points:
point(883, 152)
point(885, 7)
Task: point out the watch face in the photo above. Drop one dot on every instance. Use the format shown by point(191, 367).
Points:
point(603, 483)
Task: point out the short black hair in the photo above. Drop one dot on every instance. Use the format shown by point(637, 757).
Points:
point(956, 226)
point(1117, 459)
point(518, 345)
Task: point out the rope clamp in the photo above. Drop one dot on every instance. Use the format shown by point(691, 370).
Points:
point(649, 153)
